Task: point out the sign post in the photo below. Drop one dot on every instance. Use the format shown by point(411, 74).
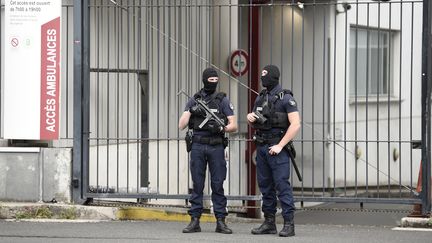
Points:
point(32, 69)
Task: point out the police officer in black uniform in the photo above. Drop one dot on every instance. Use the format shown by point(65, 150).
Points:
point(208, 144)
point(276, 119)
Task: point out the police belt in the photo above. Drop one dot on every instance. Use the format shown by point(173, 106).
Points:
point(263, 139)
point(207, 140)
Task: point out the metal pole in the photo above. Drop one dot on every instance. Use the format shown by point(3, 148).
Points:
point(426, 109)
point(67, 71)
point(81, 62)
point(85, 55)
point(1, 54)
point(144, 83)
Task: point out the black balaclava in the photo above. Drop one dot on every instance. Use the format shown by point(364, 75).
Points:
point(271, 79)
point(209, 87)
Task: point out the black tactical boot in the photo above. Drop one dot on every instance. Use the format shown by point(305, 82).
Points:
point(288, 228)
point(193, 226)
point(221, 227)
point(268, 227)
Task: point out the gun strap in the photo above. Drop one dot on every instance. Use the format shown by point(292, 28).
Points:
point(216, 95)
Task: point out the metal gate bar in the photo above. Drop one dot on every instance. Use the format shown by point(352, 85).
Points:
point(354, 62)
point(141, 36)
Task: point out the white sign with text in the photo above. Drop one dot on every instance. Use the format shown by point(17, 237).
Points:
point(32, 69)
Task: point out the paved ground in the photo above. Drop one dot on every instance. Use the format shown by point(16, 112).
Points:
point(352, 214)
point(158, 231)
point(331, 222)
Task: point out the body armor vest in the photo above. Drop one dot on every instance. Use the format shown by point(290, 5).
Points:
point(213, 104)
point(266, 106)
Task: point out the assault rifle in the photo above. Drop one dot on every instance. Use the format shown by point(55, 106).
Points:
point(209, 114)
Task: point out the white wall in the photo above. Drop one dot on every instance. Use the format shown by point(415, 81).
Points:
point(382, 117)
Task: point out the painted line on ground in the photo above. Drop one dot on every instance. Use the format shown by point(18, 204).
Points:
point(411, 229)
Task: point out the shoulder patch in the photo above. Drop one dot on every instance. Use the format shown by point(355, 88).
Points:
point(231, 106)
point(292, 102)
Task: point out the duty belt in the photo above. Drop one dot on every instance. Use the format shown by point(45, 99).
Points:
point(263, 140)
point(207, 140)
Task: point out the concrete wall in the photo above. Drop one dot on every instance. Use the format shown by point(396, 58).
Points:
point(35, 174)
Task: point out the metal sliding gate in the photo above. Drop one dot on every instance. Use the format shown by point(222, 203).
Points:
point(358, 71)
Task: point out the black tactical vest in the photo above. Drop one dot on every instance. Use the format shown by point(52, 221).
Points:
point(214, 104)
point(266, 106)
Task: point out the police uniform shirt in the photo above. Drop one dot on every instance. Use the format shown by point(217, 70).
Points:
point(225, 107)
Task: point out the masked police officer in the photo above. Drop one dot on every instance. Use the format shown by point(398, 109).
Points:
point(208, 144)
point(276, 120)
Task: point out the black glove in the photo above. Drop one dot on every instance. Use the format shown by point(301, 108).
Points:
point(197, 111)
point(214, 127)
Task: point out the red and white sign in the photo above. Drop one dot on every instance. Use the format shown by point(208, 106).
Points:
point(32, 69)
point(239, 63)
point(14, 42)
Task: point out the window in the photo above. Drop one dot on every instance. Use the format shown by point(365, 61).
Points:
point(373, 64)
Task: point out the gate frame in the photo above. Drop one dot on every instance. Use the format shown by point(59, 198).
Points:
point(426, 109)
point(81, 121)
point(81, 96)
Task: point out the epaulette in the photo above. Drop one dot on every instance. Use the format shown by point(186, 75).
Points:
point(263, 92)
point(283, 93)
point(220, 96)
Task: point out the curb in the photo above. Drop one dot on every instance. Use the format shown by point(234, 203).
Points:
point(46, 212)
point(49, 211)
point(410, 222)
point(21, 211)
